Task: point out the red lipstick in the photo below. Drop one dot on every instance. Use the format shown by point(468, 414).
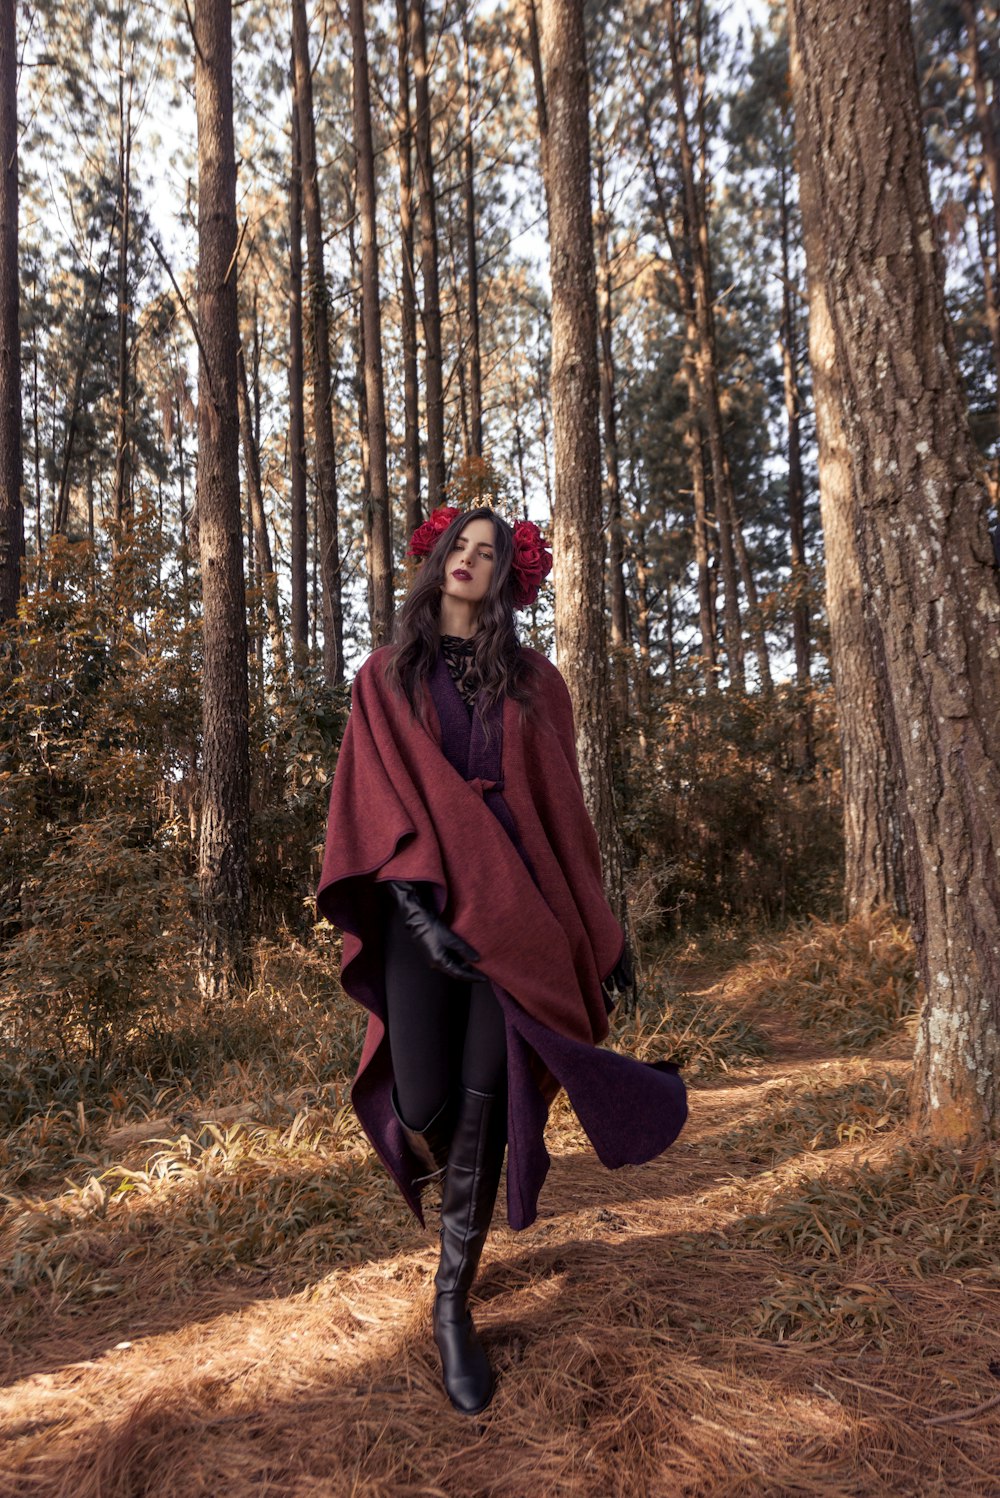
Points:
point(461, 574)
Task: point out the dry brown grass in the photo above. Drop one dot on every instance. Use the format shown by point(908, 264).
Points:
point(848, 984)
point(794, 1300)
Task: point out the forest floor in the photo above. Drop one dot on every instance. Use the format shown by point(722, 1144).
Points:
point(797, 1298)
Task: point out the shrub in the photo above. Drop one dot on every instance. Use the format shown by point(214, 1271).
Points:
point(719, 822)
point(849, 982)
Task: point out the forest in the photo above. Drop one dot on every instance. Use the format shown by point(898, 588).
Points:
point(710, 291)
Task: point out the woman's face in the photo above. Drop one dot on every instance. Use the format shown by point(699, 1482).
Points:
point(469, 565)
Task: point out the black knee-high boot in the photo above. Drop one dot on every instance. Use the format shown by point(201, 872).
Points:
point(470, 1190)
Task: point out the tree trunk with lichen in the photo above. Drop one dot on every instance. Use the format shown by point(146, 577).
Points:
point(928, 581)
point(873, 812)
point(581, 642)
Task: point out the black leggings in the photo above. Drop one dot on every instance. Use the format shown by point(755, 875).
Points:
point(442, 1032)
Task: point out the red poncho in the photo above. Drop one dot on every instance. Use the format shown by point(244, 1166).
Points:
point(496, 823)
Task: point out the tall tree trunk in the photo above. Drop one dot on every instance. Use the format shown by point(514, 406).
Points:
point(322, 384)
point(358, 391)
point(874, 813)
point(408, 292)
point(796, 491)
point(36, 436)
point(991, 303)
point(121, 482)
point(224, 851)
point(706, 355)
point(542, 395)
point(522, 477)
point(580, 629)
point(929, 583)
point(638, 559)
point(433, 378)
point(694, 433)
point(471, 253)
point(371, 319)
point(182, 512)
point(296, 410)
point(694, 441)
point(986, 118)
point(461, 365)
point(609, 420)
point(535, 55)
point(11, 505)
point(261, 538)
point(60, 505)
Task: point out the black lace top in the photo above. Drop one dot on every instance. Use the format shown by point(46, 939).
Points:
point(460, 658)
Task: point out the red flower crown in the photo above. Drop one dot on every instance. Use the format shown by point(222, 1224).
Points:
point(532, 557)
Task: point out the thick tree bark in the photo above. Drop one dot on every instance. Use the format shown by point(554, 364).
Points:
point(261, 538)
point(706, 356)
point(929, 582)
point(581, 642)
point(637, 561)
point(371, 318)
point(296, 411)
point(11, 505)
point(694, 446)
point(471, 255)
point(322, 384)
point(224, 851)
point(542, 112)
point(433, 378)
point(988, 120)
point(873, 812)
point(121, 480)
point(612, 477)
point(408, 292)
point(796, 490)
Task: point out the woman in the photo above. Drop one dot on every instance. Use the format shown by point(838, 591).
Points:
point(464, 871)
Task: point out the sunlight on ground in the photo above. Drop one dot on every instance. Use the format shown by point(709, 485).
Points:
point(795, 1298)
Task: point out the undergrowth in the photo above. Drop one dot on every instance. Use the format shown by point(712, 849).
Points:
point(851, 1238)
point(792, 1117)
point(705, 1037)
point(849, 984)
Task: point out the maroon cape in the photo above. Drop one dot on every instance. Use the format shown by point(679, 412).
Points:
point(490, 814)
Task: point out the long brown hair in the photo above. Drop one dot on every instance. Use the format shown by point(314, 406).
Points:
point(501, 669)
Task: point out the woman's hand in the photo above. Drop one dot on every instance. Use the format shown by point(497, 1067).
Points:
point(620, 979)
point(441, 947)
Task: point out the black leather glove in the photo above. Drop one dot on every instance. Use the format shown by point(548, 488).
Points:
point(619, 980)
point(444, 950)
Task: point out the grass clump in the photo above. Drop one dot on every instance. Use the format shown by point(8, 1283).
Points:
point(824, 1308)
point(852, 1239)
point(850, 984)
point(792, 1117)
point(304, 1197)
point(703, 1036)
point(926, 1211)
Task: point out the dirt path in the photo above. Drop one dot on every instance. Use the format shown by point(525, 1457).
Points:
point(622, 1327)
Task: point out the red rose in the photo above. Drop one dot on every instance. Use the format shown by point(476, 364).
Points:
point(426, 536)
